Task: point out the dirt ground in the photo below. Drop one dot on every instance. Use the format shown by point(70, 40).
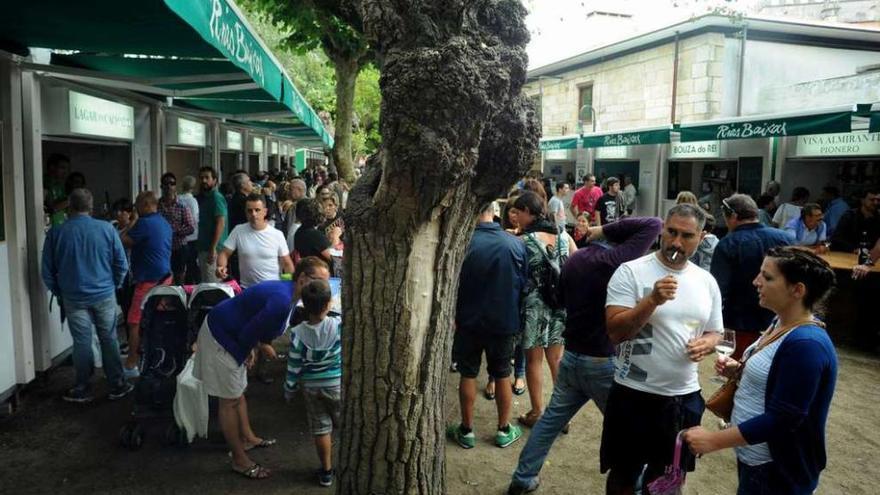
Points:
point(50, 446)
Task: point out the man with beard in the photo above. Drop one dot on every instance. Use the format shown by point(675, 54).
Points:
point(664, 314)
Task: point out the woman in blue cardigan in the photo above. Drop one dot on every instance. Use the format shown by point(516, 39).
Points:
point(781, 405)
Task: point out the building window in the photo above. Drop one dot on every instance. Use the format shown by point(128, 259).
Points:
point(585, 106)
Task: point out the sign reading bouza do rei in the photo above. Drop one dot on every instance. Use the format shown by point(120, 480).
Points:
point(100, 117)
point(696, 149)
point(793, 126)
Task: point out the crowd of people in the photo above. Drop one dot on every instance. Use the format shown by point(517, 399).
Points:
point(246, 231)
point(623, 309)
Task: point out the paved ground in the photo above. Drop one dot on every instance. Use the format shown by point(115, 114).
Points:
point(54, 447)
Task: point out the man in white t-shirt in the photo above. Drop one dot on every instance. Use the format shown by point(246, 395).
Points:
point(262, 250)
point(664, 314)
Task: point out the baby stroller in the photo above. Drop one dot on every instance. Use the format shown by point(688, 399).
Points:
point(202, 300)
point(166, 348)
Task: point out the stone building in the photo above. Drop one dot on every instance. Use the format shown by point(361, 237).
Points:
point(862, 12)
point(635, 101)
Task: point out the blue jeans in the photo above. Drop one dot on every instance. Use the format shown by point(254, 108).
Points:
point(764, 479)
point(82, 321)
point(580, 379)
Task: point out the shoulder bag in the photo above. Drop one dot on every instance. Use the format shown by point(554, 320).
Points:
point(721, 402)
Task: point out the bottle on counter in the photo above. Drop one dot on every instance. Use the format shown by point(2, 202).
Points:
point(864, 250)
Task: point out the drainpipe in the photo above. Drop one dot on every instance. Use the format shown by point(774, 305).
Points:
point(674, 80)
point(742, 65)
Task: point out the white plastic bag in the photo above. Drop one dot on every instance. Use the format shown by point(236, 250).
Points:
point(191, 403)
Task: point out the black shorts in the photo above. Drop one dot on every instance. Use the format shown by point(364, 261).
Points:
point(468, 350)
point(640, 428)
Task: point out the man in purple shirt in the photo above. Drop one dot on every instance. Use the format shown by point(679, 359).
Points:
point(587, 370)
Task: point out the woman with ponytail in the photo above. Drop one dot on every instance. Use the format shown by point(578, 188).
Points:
point(786, 383)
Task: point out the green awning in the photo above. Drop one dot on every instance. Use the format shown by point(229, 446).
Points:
point(627, 138)
point(822, 123)
point(559, 143)
point(201, 53)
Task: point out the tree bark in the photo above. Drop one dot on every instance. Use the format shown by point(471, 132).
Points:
point(347, 69)
point(456, 133)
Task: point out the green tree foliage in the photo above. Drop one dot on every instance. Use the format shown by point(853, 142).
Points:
point(302, 27)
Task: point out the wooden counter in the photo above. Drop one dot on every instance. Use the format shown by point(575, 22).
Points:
point(844, 261)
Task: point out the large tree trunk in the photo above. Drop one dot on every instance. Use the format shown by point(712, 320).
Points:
point(347, 69)
point(456, 133)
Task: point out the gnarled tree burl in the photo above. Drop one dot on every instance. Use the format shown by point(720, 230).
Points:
point(456, 132)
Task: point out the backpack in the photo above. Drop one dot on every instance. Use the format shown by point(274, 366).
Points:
point(549, 285)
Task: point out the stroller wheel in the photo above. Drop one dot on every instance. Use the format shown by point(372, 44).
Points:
point(125, 435)
point(131, 436)
point(137, 437)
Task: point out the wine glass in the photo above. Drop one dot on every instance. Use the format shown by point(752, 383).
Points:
point(724, 348)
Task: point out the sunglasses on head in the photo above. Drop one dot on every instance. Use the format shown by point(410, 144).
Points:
point(728, 210)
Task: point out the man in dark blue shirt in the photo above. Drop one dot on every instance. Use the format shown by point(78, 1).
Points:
point(493, 276)
point(149, 238)
point(736, 263)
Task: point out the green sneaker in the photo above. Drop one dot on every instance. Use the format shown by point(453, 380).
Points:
point(503, 439)
point(467, 441)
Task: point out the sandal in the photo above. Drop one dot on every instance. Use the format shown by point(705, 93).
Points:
point(266, 442)
point(489, 395)
point(255, 472)
point(518, 390)
point(529, 419)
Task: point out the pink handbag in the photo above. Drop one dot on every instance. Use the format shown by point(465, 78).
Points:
point(672, 482)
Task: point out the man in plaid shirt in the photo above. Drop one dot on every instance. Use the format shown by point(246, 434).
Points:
point(181, 221)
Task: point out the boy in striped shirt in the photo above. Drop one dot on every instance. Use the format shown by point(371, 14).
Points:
point(315, 365)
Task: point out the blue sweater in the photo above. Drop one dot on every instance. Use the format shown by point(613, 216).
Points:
point(83, 260)
point(800, 386)
point(259, 314)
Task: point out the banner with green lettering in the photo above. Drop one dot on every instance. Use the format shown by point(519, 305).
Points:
point(827, 123)
point(627, 138)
